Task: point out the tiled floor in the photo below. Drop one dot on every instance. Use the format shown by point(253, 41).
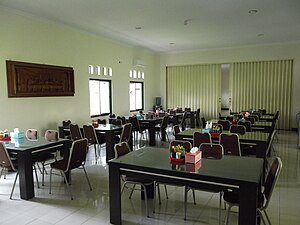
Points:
point(92, 207)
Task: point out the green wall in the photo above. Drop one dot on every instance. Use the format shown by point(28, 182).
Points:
point(30, 39)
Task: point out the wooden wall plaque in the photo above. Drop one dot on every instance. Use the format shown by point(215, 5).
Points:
point(37, 80)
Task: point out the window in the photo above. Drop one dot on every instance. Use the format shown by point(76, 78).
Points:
point(100, 97)
point(136, 96)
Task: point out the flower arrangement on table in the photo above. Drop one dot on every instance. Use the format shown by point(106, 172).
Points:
point(95, 123)
point(177, 153)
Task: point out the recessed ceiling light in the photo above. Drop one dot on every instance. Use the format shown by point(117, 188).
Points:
point(252, 11)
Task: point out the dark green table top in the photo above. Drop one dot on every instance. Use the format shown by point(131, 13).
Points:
point(230, 169)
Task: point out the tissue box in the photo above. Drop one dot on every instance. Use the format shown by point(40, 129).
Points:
point(206, 130)
point(17, 135)
point(193, 157)
point(193, 167)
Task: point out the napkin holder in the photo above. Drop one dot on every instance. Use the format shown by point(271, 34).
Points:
point(193, 157)
point(17, 135)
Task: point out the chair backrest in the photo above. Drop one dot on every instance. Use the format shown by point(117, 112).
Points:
point(251, 119)
point(256, 117)
point(203, 121)
point(229, 118)
point(77, 154)
point(75, 132)
point(135, 123)
point(259, 114)
point(230, 143)
point(66, 123)
point(247, 124)
point(199, 138)
point(101, 121)
point(176, 129)
point(270, 142)
point(161, 114)
point(126, 132)
point(5, 160)
point(183, 123)
point(186, 144)
point(112, 116)
point(225, 124)
point(31, 134)
point(51, 135)
point(172, 112)
point(116, 122)
point(123, 119)
point(90, 134)
point(121, 148)
point(237, 129)
point(271, 179)
point(164, 123)
point(262, 111)
point(209, 150)
point(179, 110)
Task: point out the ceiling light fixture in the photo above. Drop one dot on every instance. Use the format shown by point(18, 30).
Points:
point(253, 11)
point(260, 35)
point(138, 28)
point(171, 43)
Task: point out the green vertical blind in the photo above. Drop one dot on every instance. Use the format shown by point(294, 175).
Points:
point(195, 86)
point(265, 84)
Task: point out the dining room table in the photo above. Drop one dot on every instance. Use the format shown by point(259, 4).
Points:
point(243, 174)
point(109, 131)
point(150, 124)
point(24, 149)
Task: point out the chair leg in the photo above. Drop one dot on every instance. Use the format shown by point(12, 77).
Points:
point(1, 172)
point(185, 200)
point(13, 187)
point(159, 197)
point(268, 219)
point(166, 191)
point(132, 191)
point(87, 178)
point(146, 198)
point(193, 190)
point(227, 215)
point(36, 176)
point(154, 196)
point(50, 180)
point(95, 151)
point(67, 183)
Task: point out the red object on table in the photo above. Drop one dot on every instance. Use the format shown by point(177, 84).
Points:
point(181, 160)
point(214, 134)
point(5, 138)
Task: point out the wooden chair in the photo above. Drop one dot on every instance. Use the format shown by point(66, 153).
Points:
point(187, 146)
point(237, 129)
point(225, 124)
point(199, 138)
point(75, 132)
point(121, 149)
point(230, 143)
point(210, 151)
point(232, 197)
point(90, 134)
point(75, 160)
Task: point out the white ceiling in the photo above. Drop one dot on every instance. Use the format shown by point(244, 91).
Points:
point(209, 23)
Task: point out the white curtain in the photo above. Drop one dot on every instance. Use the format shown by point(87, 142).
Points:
point(263, 85)
point(195, 86)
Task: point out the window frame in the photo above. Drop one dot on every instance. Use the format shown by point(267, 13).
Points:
point(110, 97)
point(142, 86)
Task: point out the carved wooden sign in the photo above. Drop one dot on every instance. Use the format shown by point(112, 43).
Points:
point(36, 80)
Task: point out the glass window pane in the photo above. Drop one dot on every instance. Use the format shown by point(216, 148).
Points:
point(132, 96)
point(100, 100)
point(104, 97)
